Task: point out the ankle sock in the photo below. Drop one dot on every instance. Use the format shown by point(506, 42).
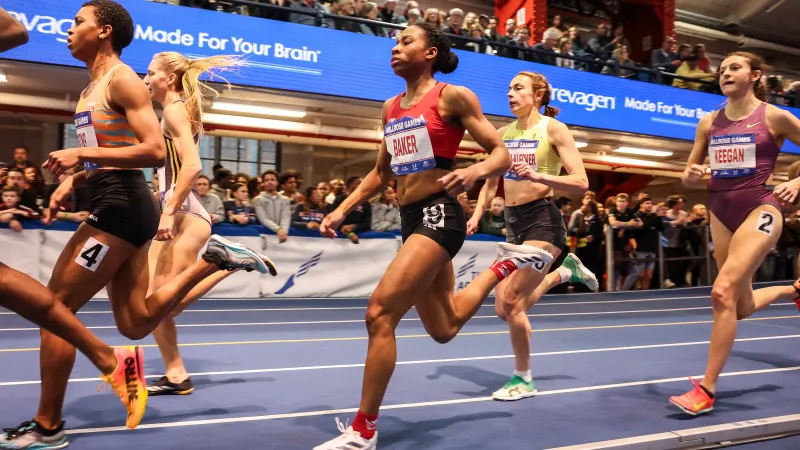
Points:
point(365, 424)
point(524, 375)
point(564, 273)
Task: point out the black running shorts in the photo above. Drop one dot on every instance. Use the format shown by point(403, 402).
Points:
point(539, 220)
point(439, 217)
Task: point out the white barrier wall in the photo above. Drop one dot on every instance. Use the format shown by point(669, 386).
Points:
point(307, 266)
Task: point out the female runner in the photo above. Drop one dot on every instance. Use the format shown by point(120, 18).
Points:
point(742, 141)
point(119, 131)
point(539, 145)
point(423, 129)
point(185, 226)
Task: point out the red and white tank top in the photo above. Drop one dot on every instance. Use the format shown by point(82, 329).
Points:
point(417, 138)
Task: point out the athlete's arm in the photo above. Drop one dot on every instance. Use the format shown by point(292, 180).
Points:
point(787, 126)
point(179, 127)
point(468, 108)
point(576, 180)
point(129, 93)
point(489, 189)
point(695, 169)
point(12, 33)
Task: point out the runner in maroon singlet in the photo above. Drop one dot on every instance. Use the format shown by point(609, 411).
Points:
point(423, 128)
point(742, 142)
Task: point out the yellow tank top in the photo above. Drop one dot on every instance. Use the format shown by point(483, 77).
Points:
point(532, 146)
point(97, 124)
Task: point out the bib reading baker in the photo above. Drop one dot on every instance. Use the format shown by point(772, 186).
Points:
point(732, 155)
point(522, 150)
point(409, 144)
point(87, 137)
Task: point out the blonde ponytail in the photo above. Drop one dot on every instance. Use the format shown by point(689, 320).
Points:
point(188, 72)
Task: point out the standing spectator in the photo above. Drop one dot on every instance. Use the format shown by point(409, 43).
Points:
point(618, 37)
point(309, 214)
point(564, 204)
point(493, 221)
point(675, 221)
point(288, 182)
point(647, 242)
point(360, 218)
point(337, 188)
point(238, 210)
point(664, 59)
point(623, 220)
point(588, 231)
point(273, 210)
point(455, 25)
point(386, 212)
point(21, 160)
point(324, 189)
point(555, 27)
point(209, 200)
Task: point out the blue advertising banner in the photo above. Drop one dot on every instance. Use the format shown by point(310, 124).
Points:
point(302, 58)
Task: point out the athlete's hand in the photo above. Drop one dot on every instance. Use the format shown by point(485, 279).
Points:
point(787, 192)
point(472, 226)
point(58, 197)
point(330, 224)
point(694, 172)
point(165, 226)
point(526, 172)
point(60, 161)
point(458, 181)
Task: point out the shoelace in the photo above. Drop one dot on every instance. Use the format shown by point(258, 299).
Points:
point(109, 382)
point(693, 394)
point(23, 429)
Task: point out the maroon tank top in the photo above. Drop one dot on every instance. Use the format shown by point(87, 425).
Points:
point(742, 153)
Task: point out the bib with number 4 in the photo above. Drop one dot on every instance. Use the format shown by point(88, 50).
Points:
point(522, 150)
point(409, 144)
point(86, 135)
point(732, 155)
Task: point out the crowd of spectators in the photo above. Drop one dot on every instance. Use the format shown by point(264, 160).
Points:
point(604, 50)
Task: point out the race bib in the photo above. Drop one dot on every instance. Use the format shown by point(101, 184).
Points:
point(86, 135)
point(733, 155)
point(409, 144)
point(522, 150)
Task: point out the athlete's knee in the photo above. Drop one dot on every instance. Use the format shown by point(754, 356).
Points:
point(723, 293)
point(378, 319)
point(513, 301)
point(132, 330)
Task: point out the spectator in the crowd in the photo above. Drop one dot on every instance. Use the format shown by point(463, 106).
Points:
point(223, 178)
point(34, 181)
point(432, 17)
point(694, 235)
point(471, 205)
point(675, 221)
point(387, 14)
point(470, 19)
point(269, 13)
point(273, 210)
point(409, 6)
point(618, 37)
point(307, 19)
point(564, 204)
point(689, 69)
point(309, 214)
point(254, 187)
point(414, 17)
point(555, 27)
point(493, 220)
point(547, 48)
point(288, 182)
point(601, 46)
point(210, 201)
point(386, 212)
point(623, 220)
point(588, 231)
point(238, 210)
point(476, 32)
point(455, 25)
point(647, 243)
point(324, 189)
point(28, 197)
point(21, 158)
point(360, 218)
point(565, 48)
point(703, 61)
point(509, 38)
point(523, 40)
point(75, 208)
point(664, 59)
point(370, 11)
point(488, 26)
point(241, 178)
point(12, 212)
point(337, 189)
point(577, 44)
point(346, 8)
point(621, 56)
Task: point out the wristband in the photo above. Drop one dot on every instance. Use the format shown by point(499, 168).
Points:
point(351, 233)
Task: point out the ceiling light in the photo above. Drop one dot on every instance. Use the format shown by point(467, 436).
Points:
point(259, 110)
point(642, 152)
point(629, 161)
point(579, 144)
point(3, 78)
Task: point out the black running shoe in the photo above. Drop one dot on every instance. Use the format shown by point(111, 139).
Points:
point(165, 387)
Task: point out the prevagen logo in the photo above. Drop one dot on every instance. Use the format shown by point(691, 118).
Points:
point(44, 24)
point(465, 270)
point(304, 268)
point(589, 101)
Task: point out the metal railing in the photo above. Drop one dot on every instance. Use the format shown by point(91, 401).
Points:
point(640, 73)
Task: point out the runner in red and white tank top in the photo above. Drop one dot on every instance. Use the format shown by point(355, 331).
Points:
point(423, 128)
point(742, 142)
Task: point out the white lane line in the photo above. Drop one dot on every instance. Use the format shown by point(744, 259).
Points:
point(412, 319)
point(432, 361)
point(227, 420)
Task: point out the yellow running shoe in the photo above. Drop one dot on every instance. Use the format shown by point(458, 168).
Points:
point(128, 383)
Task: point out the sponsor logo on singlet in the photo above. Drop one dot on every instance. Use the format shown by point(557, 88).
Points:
point(87, 137)
point(522, 150)
point(732, 155)
point(409, 144)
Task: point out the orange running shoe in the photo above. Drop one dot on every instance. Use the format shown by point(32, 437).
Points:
point(694, 402)
point(128, 383)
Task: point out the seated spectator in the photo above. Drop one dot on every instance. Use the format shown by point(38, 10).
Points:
point(565, 48)
point(370, 11)
point(689, 69)
point(618, 37)
point(337, 188)
point(307, 19)
point(21, 160)
point(16, 178)
point(269, 13)
point(703, 61)
point(409, 6)
point(360, 218)
point(387, 14)
point(309, 214)
point(346, 8)
point(288, 182)
point(621, 56)
point(487, 25)
point(664, 59)
point(223, 178)
point(577, 44)
point(555, 27)
point(547, 48)
point(238, 210)
point(209, 200)
point(493, 220)
point(386, 211)
point(414, 16)
point(12, 212)
point(476, 32)
point(455, 25)
point(273, 210)
point(508, 38)
point(432, 17)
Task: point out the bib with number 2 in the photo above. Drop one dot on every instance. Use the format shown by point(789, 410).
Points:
point(86, 135)
point(409, 144)
point(522, 150)
point(732, 155)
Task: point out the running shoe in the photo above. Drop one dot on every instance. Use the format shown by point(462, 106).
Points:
point(165, 387)
point(580, 273)
point(694, 402)
point(350, 439)
point(516, 389)
point(128, 383)
point(31, 435)
point(229, 255)
point(512, 257)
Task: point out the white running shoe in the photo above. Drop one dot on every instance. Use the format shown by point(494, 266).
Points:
point(350, 439)
point(229, 255)
point(512, 257)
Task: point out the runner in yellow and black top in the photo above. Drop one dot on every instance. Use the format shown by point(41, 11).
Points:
point(119, 133)
point(539, 146)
